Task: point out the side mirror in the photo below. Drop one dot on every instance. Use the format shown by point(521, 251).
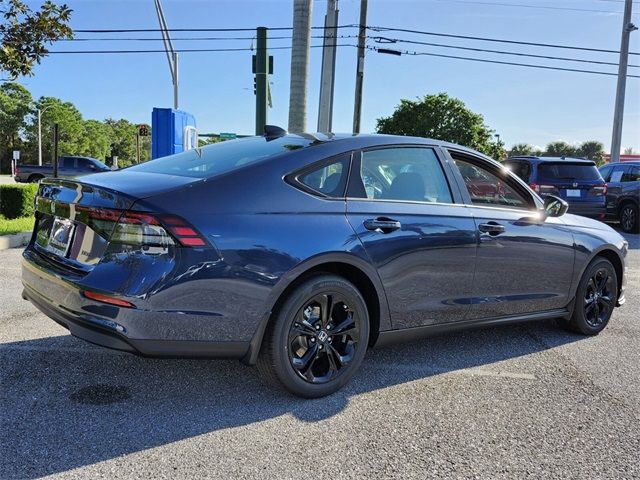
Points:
point(554, 206)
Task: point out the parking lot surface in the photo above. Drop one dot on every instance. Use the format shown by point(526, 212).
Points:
point(508, 402)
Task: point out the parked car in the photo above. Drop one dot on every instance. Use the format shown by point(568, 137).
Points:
point(67, 167)
point(576, 181)
point(297, 252)
point(623, 193)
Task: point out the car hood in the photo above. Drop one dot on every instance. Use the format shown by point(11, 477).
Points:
point(584, 222)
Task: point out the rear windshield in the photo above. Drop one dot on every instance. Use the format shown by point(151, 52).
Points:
point(222, 157)
point(568, 171)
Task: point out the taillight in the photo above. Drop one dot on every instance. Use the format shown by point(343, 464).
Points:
point(544, 189)
point(599, 190)
point(139, 228)
point(17, 171)
point(535, 187)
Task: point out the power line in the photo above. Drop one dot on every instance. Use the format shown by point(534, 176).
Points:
point(483, 60)
point(176, 39)
point(501, 52)
point(243, 29)
point(185, 50)
point(524, 5)
point(495, 40)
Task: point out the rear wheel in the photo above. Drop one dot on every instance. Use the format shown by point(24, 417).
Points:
point(596, 298)
point(318, 339)
point(629, 218)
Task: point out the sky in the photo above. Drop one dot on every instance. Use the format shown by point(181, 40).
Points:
point(521, 104)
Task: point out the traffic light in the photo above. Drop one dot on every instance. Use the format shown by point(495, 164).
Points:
point(143, 130)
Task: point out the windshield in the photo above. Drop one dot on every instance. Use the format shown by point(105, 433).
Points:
point(222, 157)
point(568, 171)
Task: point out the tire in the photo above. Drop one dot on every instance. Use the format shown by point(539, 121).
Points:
point(35, 178)
point(303, 351)
point(628, 217)
point(596, 298)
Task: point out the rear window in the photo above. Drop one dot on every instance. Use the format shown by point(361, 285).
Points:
point(568, 171)
point(521, 169)
point(222, 157)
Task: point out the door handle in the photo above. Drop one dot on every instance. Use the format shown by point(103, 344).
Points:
point(492, 228)
point(382, 225)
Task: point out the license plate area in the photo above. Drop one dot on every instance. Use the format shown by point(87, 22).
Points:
point(57, 240)
point(573, 193)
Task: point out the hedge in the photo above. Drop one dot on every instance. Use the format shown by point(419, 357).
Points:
point(17, 200)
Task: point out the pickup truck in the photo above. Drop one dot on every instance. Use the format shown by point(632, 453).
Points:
point(67, 167)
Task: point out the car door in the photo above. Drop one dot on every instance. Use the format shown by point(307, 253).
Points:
point(524, 262)
point(614, 186)
point(422, 243)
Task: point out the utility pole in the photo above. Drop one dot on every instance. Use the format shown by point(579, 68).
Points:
point(172, 56)
point(299, 65)
point(56, 137)
point(362, 40)
point(261, 71)
point(327, 76)
point(627, 28)
point(39, 137)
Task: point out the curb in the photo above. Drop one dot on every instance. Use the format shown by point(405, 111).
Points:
point(15, 240)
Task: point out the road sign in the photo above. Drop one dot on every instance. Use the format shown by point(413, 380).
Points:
point(143, 130)
point(16, 154)
point(227, 136)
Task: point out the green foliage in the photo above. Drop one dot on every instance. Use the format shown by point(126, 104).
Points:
point(560, 149)
point(15, 105)
point(96, 140)
point(203, 141)
point(593, 150)
point(443, 118)
point(71, 128)
point(122, 135)
point(521, 149)
point(16, 225)
point(24, 34)
point(17, 200)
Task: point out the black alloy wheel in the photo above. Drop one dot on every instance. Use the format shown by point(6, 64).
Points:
point(323, 338)
point(596, 297)
point(317, 340)
point(629, 218)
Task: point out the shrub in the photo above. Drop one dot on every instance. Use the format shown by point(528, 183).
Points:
point(17, 200)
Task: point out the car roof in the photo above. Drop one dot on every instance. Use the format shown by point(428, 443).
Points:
point(535, 159)
point(635, 163)
point(363, 140)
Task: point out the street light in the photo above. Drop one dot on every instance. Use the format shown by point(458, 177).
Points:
point(40, 112)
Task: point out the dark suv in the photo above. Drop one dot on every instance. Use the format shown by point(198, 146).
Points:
point(577, 181)
point(623, 182)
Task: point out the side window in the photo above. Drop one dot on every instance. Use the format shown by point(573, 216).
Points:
point(632, 174)
point(606, 173)
point(404, 173)
point(329, 179)
point(488, 189)
point(521, 169)
point(66, 162)
point(83, 163)
point(617, 173)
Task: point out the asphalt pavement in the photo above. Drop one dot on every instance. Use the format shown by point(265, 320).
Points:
point(508, 402)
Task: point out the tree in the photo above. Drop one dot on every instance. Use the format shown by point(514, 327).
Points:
point(71, 128)
point(628, 151)
point(24, 34)
point(443, 118)
point(15, 105)
point(122, 135)
point(96, 140)
point(593, 150)
point(521, 149)
point(560, 149)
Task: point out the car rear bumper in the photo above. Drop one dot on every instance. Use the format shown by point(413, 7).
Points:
point(590, 210)
point(111, 326)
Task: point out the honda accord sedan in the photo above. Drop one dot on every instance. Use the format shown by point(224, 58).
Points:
point(298, 252)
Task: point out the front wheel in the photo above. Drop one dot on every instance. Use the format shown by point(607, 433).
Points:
point(629, 218)
point(318, 338)
point(596, 298)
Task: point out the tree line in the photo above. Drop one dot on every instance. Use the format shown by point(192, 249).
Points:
point(101, 139)
point(446, 118)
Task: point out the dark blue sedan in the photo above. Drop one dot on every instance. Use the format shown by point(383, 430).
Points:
point(297, 252)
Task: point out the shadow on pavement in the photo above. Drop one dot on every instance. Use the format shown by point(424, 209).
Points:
point(66, 404)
